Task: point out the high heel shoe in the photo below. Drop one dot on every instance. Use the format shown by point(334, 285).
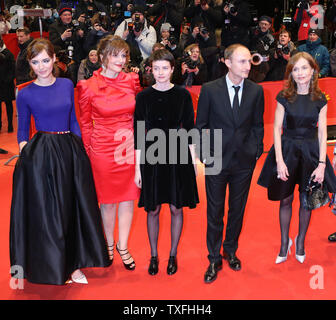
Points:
point(280, 259)
point(81, 279)
point(300, 258)
point(110, 250)
point(128, 266)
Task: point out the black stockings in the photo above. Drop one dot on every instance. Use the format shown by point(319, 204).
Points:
point(153, 228)
point(285, 215)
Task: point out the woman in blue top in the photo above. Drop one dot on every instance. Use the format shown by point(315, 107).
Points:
point(55, 226)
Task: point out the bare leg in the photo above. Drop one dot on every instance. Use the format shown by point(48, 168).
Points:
point(108, 212)
point(125, 217)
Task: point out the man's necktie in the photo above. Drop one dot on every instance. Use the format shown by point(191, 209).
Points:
point(235, 105)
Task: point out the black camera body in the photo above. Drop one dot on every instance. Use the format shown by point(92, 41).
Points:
point(204, 30)
point(173, 41)
point(191, 64)
point(138, 25)
point(233, 9)
point(74, 26)
point(282, 49)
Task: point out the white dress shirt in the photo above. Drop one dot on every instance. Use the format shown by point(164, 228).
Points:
point(232, 91)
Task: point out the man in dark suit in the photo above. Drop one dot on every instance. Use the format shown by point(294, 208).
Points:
point(232, 106)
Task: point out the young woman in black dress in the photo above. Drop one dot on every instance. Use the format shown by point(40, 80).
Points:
point(300, 152)
point(164, 106)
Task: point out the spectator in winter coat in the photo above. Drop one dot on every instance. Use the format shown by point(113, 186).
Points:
point(318, 51)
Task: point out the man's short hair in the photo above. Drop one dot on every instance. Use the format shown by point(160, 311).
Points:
point(231, 49)
point(25, 30)
point(286, 31)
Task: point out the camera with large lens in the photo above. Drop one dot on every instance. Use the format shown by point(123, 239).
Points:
point(204, 30)
point(74, 26)
point(232, 8)
point(266, 41)
point(138, 25)
point(63, 57)
point(173, 41)
point(282, 49)
point(191, 64)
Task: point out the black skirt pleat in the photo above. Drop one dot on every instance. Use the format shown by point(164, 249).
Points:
point(55, 225)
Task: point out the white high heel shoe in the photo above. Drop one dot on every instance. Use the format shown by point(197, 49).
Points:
point(81, 279)
point(300, 258)
point(283, 259)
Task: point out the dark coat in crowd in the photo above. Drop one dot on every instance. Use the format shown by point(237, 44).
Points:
point(171, 12)
point(278, 65)
point(194, 79)
point(320, 53)
point(56, 30)
point(211, 18)
point(7, 72)
point(22, 67)
point(235, 29)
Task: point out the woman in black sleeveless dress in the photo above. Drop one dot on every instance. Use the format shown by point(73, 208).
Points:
point(300, 152)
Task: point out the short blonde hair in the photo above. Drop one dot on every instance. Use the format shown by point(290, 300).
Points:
point(192, 47)
point(111, 45)
point(231, 49)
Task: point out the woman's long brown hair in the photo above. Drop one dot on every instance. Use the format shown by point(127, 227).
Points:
point(290, 88)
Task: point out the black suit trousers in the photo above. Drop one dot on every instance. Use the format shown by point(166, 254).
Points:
point(238, 180)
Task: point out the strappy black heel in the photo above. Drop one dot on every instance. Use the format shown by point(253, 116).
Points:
point(128, 266)
point(110, 250)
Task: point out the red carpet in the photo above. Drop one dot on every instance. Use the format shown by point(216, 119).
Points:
point(259, 244)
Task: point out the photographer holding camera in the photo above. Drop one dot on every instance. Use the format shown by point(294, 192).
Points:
point(67, 34)
point(279, 56)
point(90, 8)
point(139, 35)
point(100, 29)
point(235, 23)
point(303, 16)
point(190, 68)
point(261, 42)
point(168, 39)
point(206, 11)
point(167, 11)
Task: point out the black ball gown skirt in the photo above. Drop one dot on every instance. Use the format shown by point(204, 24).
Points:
point(55, 225)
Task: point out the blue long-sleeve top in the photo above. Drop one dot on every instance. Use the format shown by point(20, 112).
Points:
point(52, 107)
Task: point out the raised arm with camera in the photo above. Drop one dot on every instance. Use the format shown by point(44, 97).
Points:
point(207, 11)
point(138, 34)
point(235, 22)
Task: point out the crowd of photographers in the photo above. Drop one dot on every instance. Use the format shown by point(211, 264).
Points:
point(195, 31)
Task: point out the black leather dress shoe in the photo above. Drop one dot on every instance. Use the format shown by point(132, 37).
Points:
point(153, 268)
point(211, 273)
point(332, 237)
point(172, 265)
point(233, 261)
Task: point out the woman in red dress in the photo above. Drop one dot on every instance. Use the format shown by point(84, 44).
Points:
point(107, 103)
